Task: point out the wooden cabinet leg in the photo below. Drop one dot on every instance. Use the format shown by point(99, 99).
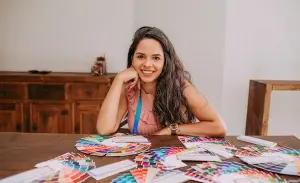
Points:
point(258, 108)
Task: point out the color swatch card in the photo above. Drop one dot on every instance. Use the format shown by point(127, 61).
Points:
point(151, 175)
point(198, 154)
point(144, 175)
point(69, 167)
point(107, 146)
point(230, 172)
point(130, 138)
point(28, 176)
point(220, 147)
point(172, 176)
point(146, 160)
point(193, 141)
point(164, 158)
point(278, 159)
point(125, 178)
point(111, 169)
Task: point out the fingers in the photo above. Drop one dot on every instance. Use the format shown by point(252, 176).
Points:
point(139, 84)
point(135, 82)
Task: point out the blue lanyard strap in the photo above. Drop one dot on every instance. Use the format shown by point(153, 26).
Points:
point(137, 115)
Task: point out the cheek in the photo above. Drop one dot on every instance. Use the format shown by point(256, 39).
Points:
point(135, 64)
point(160, 66)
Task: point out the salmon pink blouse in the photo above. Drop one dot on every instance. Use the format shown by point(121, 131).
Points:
point(148, 123)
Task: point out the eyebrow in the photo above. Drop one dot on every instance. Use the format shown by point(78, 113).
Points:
point(157, 54)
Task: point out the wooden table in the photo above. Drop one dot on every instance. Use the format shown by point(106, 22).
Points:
point(259, 99)
point(21, 151)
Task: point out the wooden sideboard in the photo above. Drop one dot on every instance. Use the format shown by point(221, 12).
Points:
point(51, 103)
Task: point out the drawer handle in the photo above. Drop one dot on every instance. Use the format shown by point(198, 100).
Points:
point(18, 127)
point(76, 128)
point(64, 112)
point(34, 127)
point(3, 93)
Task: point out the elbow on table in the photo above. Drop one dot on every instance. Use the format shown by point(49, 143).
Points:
point(102, 131)
point(220, 131)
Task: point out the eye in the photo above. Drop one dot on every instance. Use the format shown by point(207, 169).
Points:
point(140, 56)
point(156, 58)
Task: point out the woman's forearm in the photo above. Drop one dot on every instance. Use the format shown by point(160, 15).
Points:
point(107, 119)
point(203, 128)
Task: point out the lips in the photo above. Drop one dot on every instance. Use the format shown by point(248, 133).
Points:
point(147, 71)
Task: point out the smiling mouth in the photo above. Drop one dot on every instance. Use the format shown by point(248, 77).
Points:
point(147, 72)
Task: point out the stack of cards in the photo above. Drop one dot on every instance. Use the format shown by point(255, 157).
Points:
point(278, 159)
point(148, 160)
point(111, 169)
point(173, 176)
point(164, 158)
point(230, 172)
point(69, 167)
point(163, 152)
point(198, 154)
point(192, 141)
point(116, 145)
point(130, 138)
point(151, 175)
point(219, 147)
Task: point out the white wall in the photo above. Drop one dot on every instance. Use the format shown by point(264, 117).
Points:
point(261, 42)
point(64, 35)
point(224, 44)
point(197, 34)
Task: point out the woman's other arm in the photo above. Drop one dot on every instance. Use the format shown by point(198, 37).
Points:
point(114, 105)
point(112, 109)
point(210, 125)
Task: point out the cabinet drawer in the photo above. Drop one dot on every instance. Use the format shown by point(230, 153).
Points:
point(87, 90)
point(11, 91)
point(46, 91)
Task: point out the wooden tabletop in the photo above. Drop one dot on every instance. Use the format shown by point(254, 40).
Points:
point(21, 151)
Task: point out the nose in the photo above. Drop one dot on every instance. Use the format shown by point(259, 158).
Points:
point(148, 63)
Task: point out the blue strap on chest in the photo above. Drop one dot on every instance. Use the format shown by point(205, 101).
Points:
point(137, 115)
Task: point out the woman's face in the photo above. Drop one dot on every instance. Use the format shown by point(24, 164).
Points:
point(148, 60)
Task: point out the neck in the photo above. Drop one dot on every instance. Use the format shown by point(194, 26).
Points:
point(149, 88)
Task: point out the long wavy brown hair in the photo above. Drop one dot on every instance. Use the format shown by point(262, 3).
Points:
point(169, 100)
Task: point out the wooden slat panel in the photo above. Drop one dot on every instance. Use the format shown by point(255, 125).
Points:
point(290, 87)
point(258, 108)
point(51, 118)
point(86, 90)
point(11, 91)
point(46, 91)
point(11, 117)
point(279, 82)
point(86, 114)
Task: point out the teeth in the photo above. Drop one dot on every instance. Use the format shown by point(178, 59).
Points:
point(148, 72)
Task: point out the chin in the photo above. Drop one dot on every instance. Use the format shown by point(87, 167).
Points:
point(148, 80)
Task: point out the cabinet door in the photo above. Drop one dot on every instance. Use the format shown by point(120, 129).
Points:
point(11, 117)
point(86, 114)
point(51, 118)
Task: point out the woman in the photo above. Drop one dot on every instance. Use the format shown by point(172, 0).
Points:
point(157, 93)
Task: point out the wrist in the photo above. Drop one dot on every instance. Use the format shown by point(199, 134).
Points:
point(174, 129)
point(119, 78)
point(168, 131)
